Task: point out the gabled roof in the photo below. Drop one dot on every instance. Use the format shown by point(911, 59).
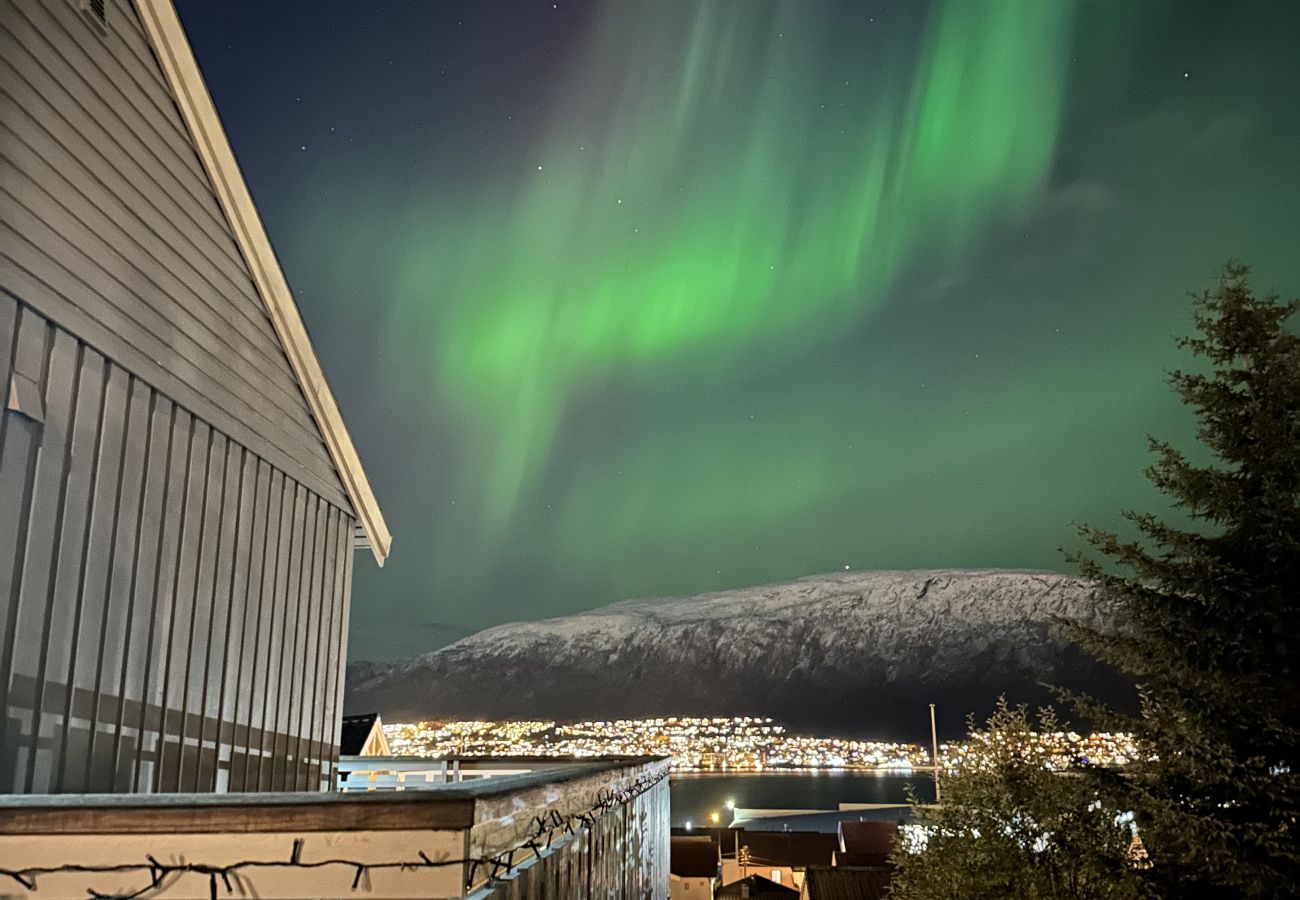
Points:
point(868, 837)
point(759, 888)
point(693, 857)
point(172, 48)
point(355, 733)
point(790, 848)
point(842, 883)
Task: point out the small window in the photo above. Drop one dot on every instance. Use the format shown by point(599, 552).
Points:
point(96, 11)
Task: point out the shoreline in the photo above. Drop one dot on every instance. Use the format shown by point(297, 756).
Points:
point(807, 770)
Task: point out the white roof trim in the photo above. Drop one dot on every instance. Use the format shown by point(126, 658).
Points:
point(173, 50)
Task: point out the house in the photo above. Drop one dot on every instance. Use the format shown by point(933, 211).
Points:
point(756, 887)
point(182, 500)
point(363, 736)
point(866, 843)
point(846, 883)
point(780, 856)
point(694, 864)
point(180, 508)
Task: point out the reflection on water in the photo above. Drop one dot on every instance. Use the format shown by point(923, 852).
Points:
point(697, 795)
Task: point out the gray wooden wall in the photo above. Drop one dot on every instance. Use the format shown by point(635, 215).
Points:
point(110, 226)
point(172, 606)
point(175, 542)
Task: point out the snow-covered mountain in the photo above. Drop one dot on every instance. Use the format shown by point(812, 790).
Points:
point(857, 652)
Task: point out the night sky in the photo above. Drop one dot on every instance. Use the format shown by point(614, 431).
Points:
point(631, 299)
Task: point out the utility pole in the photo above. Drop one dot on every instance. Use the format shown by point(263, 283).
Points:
point(934, 754)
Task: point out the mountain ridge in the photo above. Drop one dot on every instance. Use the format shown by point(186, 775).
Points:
point(860, 652)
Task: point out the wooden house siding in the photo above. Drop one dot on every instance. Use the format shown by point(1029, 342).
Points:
point(174, 605)
point(110, 227)
point(176, 542)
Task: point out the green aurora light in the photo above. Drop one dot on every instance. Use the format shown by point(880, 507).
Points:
point(623, 299)
point(689, 227)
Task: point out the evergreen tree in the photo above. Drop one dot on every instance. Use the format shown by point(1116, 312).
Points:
point(1011, 825)
point(1207, 611)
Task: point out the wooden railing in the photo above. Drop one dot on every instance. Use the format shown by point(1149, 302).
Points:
point(585, 829)
point(402, 773)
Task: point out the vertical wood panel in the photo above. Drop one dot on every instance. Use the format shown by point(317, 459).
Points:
point(305, 692)
point(293, 681)
point(19, 440)
point(337, 661)
point(327, 661)
point(232, 657)
point(163, 514)
point(33, 573)
point(212, 642)
point(86, 652)
point(174, 606)
point(345, 612)
point(50, 641)
point(114, 625)
point(151, 461)
point(342, 644)
point(242, 693)
point(277, 618)
point(292, 599)
point(262, 647)
point(190, 492)
point(194, 647)
point(320, 661)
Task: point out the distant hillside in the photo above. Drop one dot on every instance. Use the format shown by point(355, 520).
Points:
point(854, 652)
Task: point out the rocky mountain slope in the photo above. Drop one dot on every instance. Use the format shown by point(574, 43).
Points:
point(856, 652)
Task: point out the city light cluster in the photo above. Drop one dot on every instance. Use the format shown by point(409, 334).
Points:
point(742, 743)
point(1054, 750)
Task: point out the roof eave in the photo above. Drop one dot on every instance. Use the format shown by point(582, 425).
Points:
point(191, 94)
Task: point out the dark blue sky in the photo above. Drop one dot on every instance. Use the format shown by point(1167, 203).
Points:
point(532, 242)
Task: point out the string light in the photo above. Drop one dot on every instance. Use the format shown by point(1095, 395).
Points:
point(545, 827)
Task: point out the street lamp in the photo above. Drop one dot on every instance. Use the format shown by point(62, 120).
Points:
point(731, 804)
point(715, 817)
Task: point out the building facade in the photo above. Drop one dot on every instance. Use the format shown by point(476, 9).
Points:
point(180, 503)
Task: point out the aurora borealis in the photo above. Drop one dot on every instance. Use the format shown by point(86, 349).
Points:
point(716, 218)
point(641, 299)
